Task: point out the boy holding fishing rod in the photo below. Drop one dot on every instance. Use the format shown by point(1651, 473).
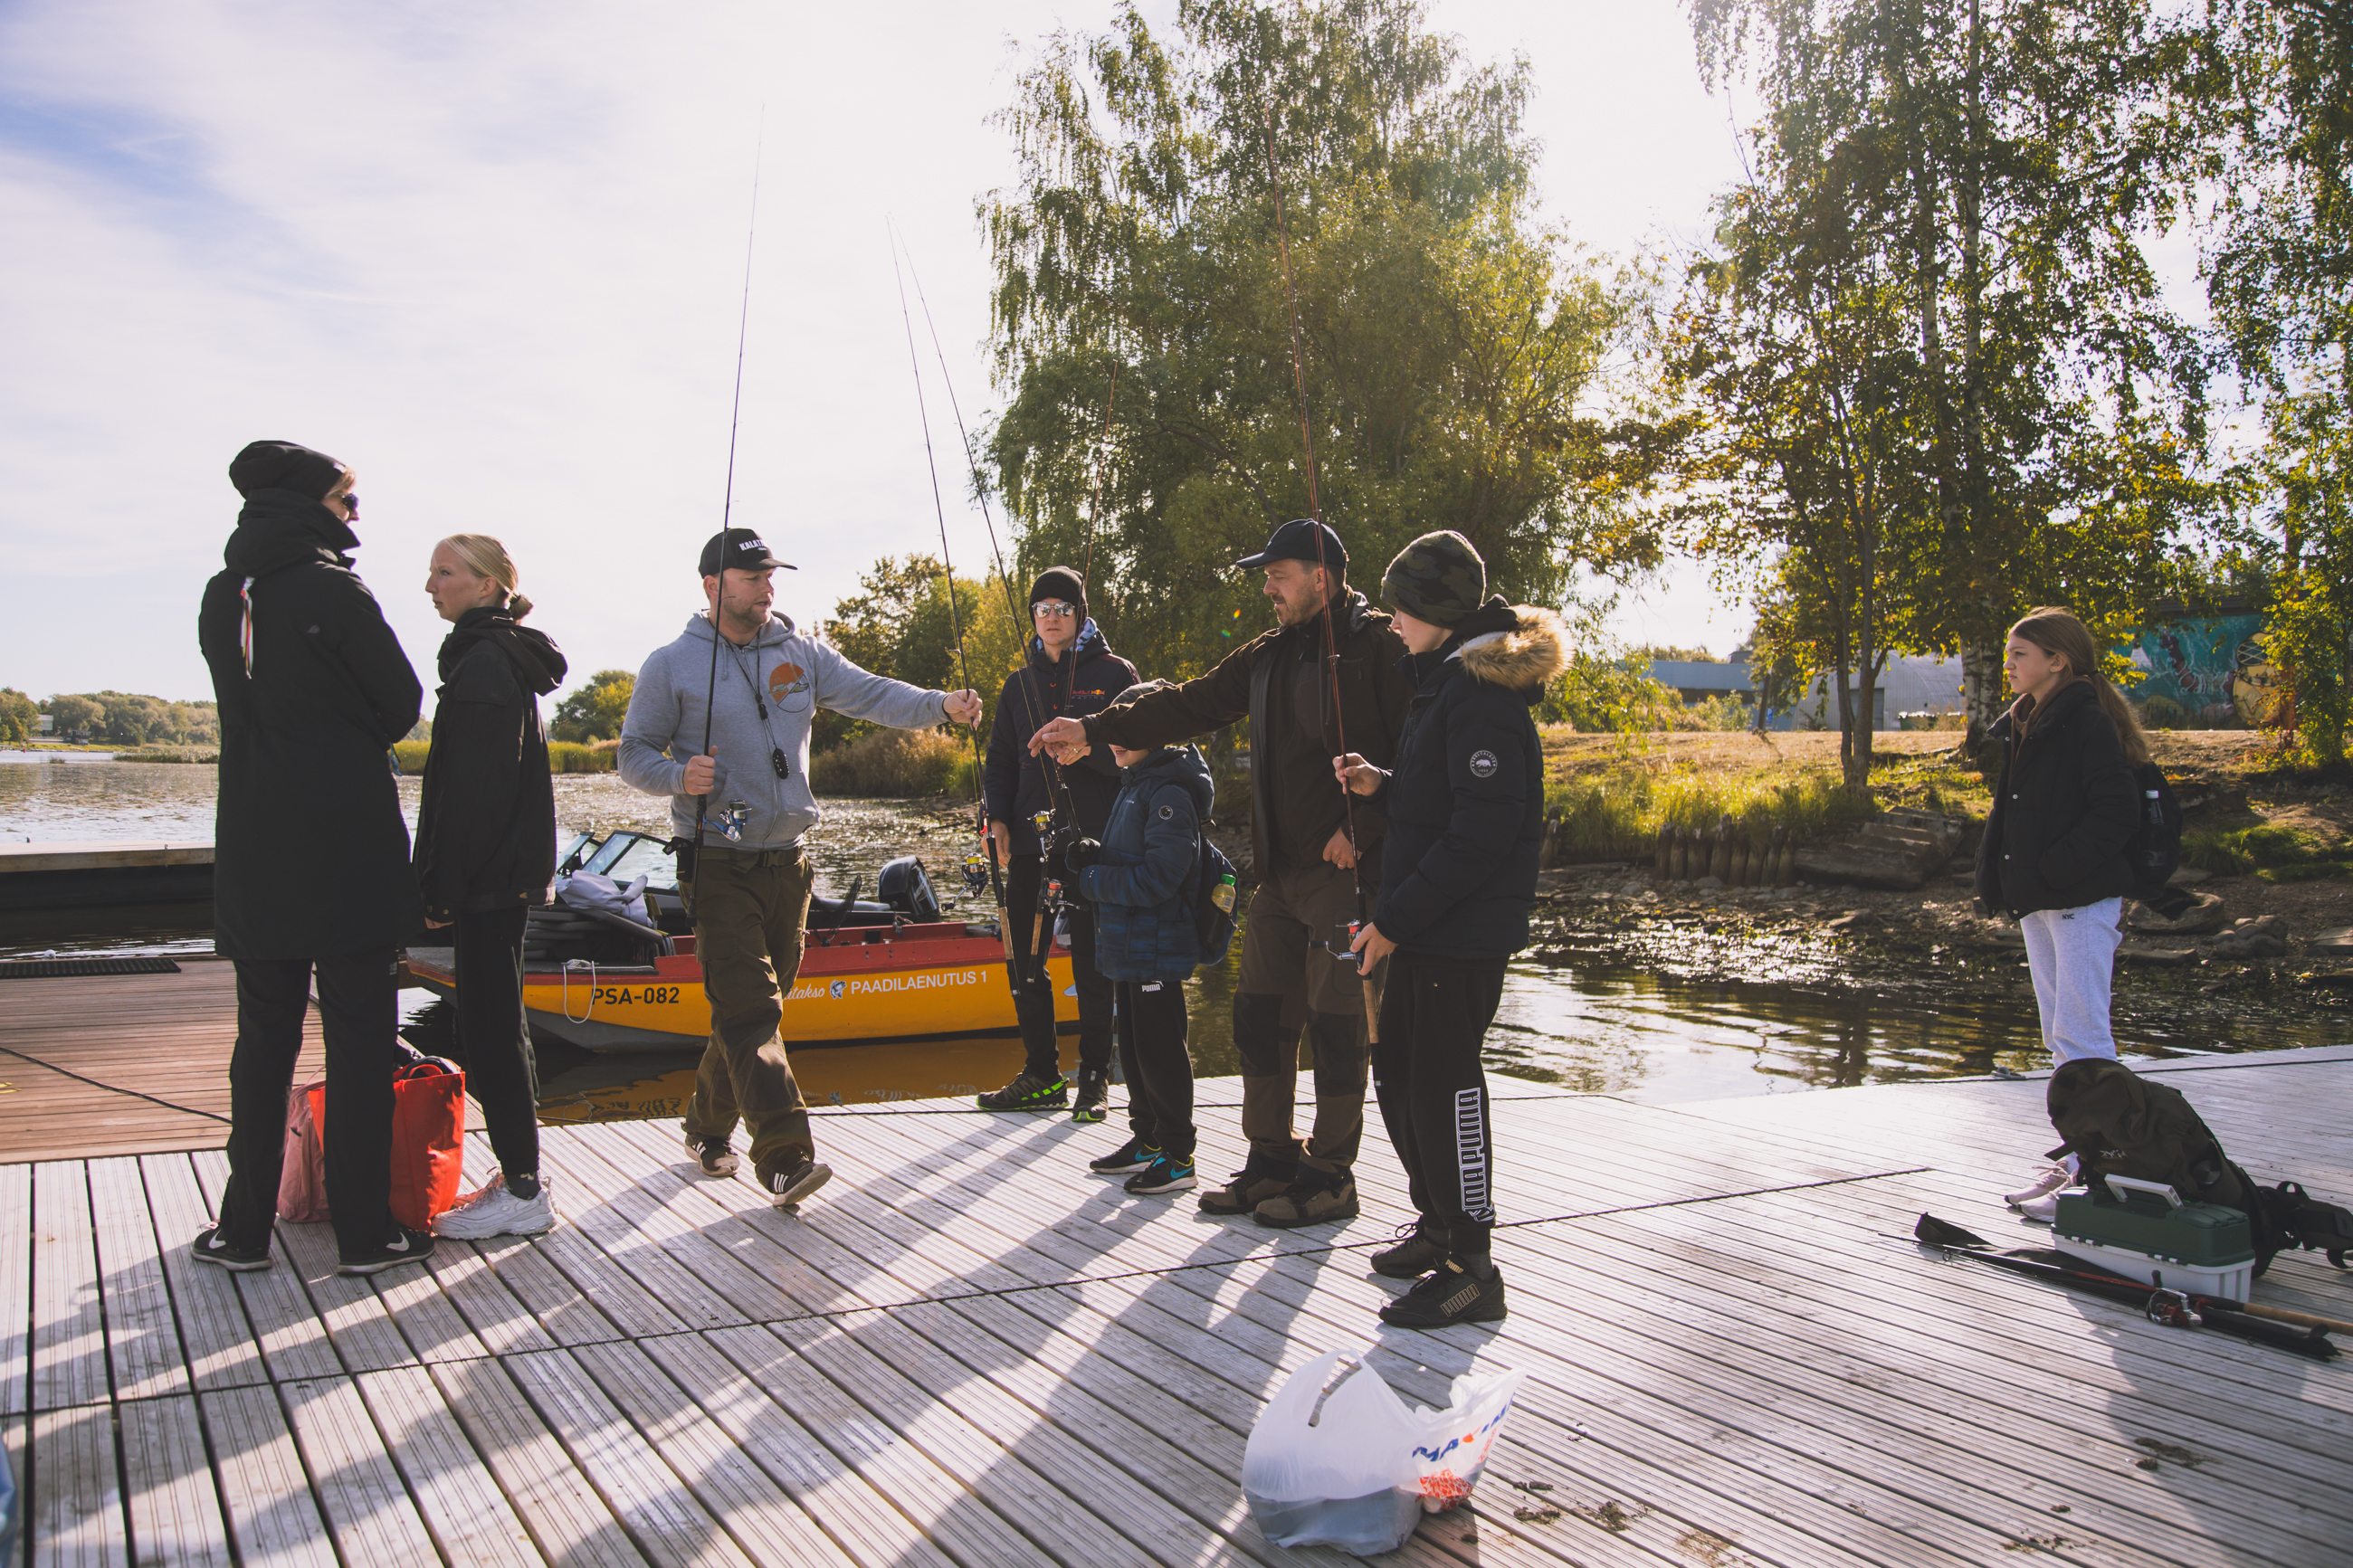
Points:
point(720, 723)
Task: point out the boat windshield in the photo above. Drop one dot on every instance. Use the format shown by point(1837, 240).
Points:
point(626, 856)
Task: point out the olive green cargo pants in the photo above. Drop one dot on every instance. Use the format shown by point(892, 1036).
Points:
point(751, 916)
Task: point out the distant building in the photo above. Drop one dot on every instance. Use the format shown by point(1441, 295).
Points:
point(1910, 684)
point(1698, 681)
point(45, 726)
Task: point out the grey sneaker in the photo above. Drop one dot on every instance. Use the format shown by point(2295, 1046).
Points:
point(1258, 1179)
point(787, 1188)
point(495, 1211)
point(715, 1156)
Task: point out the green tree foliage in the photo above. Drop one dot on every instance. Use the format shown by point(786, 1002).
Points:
point(2280, 277)
point(19, 717)
point(899, 624)
point(1142, 324)
point(1940, 385)
point(595, 711)
point(130, 718)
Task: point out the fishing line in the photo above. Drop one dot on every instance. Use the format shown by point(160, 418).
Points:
point(1052, 768)
point(1315, 513)
point(727, 501)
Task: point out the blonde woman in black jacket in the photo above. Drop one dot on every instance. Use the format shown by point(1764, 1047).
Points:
point(486, 853)
point(2054, 852)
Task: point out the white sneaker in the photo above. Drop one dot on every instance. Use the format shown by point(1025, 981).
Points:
point(2043, 1210)
point(494, 1211)
point(2048, 1180)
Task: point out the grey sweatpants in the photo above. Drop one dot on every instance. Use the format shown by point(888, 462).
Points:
point(2072, 955)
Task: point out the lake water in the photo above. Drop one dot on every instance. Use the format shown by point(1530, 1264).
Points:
point(1642, 1009)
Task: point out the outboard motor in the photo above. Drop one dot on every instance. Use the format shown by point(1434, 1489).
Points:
point(903, 885)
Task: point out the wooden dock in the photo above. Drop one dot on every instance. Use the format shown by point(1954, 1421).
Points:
point(967, 1350)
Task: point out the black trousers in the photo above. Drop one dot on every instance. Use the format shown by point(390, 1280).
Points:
point(1033, 1003)
point(1434, 1092)
point(357, 1000)
point(1150, 1016)
point(502, 1073)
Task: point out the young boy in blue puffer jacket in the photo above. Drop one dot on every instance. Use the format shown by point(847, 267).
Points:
point(1141, 880)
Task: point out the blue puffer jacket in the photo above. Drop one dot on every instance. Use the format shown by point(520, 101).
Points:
point(1142, 886)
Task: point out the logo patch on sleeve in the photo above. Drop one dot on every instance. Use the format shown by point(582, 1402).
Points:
point(1482, 765)
point(1166, 811)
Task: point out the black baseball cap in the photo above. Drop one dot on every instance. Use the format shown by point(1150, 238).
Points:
point(1297, 540)
point(741, 548)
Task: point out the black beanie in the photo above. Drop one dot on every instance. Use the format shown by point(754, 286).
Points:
point(1061, 583)
point(284, 465)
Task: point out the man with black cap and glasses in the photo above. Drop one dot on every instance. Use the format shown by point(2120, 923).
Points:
point(1071, 671)
point(748, 889)
point(311, 875)
point(1296, 936)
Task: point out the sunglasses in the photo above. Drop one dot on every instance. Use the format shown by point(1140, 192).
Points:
point(1053, 608)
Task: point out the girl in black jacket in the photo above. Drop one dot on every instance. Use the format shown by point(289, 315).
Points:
point(1465, 810)
point(2053, 851)
point(486, 853)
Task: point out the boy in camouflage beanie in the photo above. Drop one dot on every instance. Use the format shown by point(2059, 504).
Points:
point(1437, 578)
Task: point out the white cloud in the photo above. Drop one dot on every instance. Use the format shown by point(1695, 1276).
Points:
point(490, 255)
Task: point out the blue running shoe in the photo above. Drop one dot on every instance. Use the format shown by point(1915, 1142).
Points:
point(1167, 1174)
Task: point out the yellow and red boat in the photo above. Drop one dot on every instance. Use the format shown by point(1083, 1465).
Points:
point(872, 971)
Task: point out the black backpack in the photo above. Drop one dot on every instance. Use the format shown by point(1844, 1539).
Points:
point(2153, 851)
point(2116, 1123)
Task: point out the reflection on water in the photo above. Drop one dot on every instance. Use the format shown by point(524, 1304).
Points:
point(1640, 1010)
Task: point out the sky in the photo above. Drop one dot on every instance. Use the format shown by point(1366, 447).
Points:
point(491, 254)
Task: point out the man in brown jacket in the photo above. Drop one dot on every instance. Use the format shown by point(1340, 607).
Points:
point(1297, 932)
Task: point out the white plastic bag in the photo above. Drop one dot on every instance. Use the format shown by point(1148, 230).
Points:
point(588, 891)
point(1338, 1459)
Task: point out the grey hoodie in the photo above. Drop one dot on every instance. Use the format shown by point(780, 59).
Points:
point(788, 672)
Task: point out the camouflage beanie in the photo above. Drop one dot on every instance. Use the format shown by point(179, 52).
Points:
point(1437, 578)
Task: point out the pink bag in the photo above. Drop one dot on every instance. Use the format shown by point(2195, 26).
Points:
point(303, 1177)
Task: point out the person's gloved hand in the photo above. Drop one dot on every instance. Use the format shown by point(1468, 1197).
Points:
point(1082, 854)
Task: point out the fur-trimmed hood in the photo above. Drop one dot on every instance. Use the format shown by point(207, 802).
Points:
point(1525, 655)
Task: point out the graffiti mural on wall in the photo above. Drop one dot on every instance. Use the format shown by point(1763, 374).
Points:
point(2209, 673)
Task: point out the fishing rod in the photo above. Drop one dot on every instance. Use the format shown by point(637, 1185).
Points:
point(2272, 1326)
point(727, 503)
point(1064, 807)
point(955, 626)
point(1103, 463)
point(1316, 513)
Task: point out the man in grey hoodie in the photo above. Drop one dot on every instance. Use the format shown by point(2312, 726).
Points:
point(749, 889)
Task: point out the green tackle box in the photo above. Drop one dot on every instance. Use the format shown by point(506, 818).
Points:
point(2149, 1230)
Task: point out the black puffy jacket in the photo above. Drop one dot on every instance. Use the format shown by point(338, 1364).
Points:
point(311, 855)
point(1465, 801)
point(1086, 679)
point(2062, 812)
point(486, 826)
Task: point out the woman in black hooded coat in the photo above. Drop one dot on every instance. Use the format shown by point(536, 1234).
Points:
point(485, 854)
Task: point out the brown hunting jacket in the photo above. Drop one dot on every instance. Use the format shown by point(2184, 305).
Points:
point(1275, 680)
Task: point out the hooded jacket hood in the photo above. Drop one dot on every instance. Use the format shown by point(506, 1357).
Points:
point(1180, 766)
point(278, 529)
point(538, 663)
point(1523, 654)
point(1087, 643)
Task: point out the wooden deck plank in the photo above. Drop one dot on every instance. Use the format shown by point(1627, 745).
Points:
point(354, 1315)
point(143, 1336)
point(428, 1322)
point(175, 1513)
point(602, 1212)
point(868, 1525)
point(565, 1312)
point(962, 1525)
point(760, 1516)
point(374, 1522)
point(12, 1433)
point(273, 1515)
point(653, 1504)
point(456, 1494)
point(494, 1318)
point(16, 1291)
point(294, 1341)
point(76, 1518)
point(69, 1312)
point(568, 1522)
point(215, 1335)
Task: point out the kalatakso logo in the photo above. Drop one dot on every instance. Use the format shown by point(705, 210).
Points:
point(1482, 765)
point(838, 987)
point(787, 680)
point(759, 544)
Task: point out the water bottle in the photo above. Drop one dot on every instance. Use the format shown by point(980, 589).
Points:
point(1222, 895)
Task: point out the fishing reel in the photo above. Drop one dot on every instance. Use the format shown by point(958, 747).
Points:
point(1342, 950)
point(976, 868)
